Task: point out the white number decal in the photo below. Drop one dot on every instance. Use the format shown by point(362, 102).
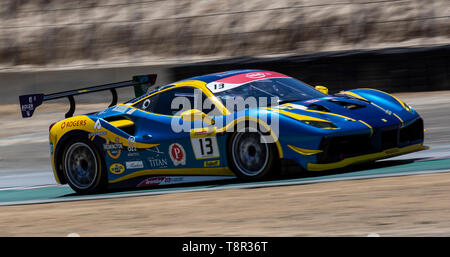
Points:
point(205, 147)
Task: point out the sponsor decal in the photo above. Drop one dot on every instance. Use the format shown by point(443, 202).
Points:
point(151, 182)
point(73, 123)
point(134, 165)
point(156, 181)
point(130, 111)
point(97, 126)
point(158, 162)
point(133, 154)
point(131, 141)
point(27, 107)
point(51, 148)
point(109, 147)
point(256, 75)
point(113, 150)
point(211, 163)
point(116, 168)
point(177, 154)
point(120, 108)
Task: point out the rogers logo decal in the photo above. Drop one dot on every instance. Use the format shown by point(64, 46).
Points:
point(256, 75)
point(73, 123)
point(177, 154)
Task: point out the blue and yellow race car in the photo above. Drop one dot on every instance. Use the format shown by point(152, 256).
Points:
point(246, 124)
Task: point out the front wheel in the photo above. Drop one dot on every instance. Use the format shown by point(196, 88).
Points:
point(250, 156)
point(83, 167)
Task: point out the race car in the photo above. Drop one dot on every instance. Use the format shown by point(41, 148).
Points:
point(245, 124)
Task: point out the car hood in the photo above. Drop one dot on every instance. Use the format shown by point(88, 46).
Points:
point(341, 109)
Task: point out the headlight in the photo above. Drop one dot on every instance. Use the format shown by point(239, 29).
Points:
point(320, 124)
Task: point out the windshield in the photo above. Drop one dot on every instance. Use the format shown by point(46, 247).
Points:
point(285, 89)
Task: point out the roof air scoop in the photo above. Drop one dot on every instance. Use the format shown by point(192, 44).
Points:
point(318, 107)
point(350, 106)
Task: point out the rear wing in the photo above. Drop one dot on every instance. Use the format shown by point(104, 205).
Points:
point(28, 103)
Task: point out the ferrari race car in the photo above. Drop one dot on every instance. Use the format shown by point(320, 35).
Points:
point(244, 124)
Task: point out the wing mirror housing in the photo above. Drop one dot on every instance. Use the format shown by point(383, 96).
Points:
point(195, 115)
point(322, 89)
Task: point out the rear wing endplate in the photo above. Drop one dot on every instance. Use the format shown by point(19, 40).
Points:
point(29, 103)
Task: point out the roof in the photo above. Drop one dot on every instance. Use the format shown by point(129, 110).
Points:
point(220, 75)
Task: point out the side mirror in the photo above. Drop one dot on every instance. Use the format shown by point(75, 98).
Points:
point(195, 115)
point(322, 89)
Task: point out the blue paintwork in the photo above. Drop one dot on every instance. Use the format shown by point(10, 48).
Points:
point(291, 131)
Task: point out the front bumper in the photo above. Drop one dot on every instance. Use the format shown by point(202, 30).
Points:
point(366, 158)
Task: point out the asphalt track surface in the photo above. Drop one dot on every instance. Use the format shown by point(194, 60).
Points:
point(25, 185)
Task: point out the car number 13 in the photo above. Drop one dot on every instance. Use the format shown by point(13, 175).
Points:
point(205, 147)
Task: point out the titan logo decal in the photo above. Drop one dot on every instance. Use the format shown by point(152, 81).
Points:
point(117, 168)
point(177, 154)
point(158, 162)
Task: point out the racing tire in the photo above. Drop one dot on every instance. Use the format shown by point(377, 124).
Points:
point(251, 159)
point(83, 167)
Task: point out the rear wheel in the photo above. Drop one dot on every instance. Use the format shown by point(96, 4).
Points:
point(83, 167)
point(250, 156)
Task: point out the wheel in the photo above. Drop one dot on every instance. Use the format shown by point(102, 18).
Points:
point(83, 167)
point(250, 156)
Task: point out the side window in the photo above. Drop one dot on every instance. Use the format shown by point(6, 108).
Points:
point(148, 104)
point(175, 101)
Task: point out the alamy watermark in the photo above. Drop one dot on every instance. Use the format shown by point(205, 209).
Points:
point(194, 113)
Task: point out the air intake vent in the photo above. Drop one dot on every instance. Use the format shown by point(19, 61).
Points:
point(318, 107)
point(350, 106)
point(122, 123)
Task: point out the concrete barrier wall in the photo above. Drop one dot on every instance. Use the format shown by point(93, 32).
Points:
point(392, 70)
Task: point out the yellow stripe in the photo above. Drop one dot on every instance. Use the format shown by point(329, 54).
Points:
point(195, 84)
point(366, 158)
point(371, 129)
point(304, 151)
point(353, 94)
point(225, 171)
point(398, 118)
point(122, 123)
point(398, 100)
